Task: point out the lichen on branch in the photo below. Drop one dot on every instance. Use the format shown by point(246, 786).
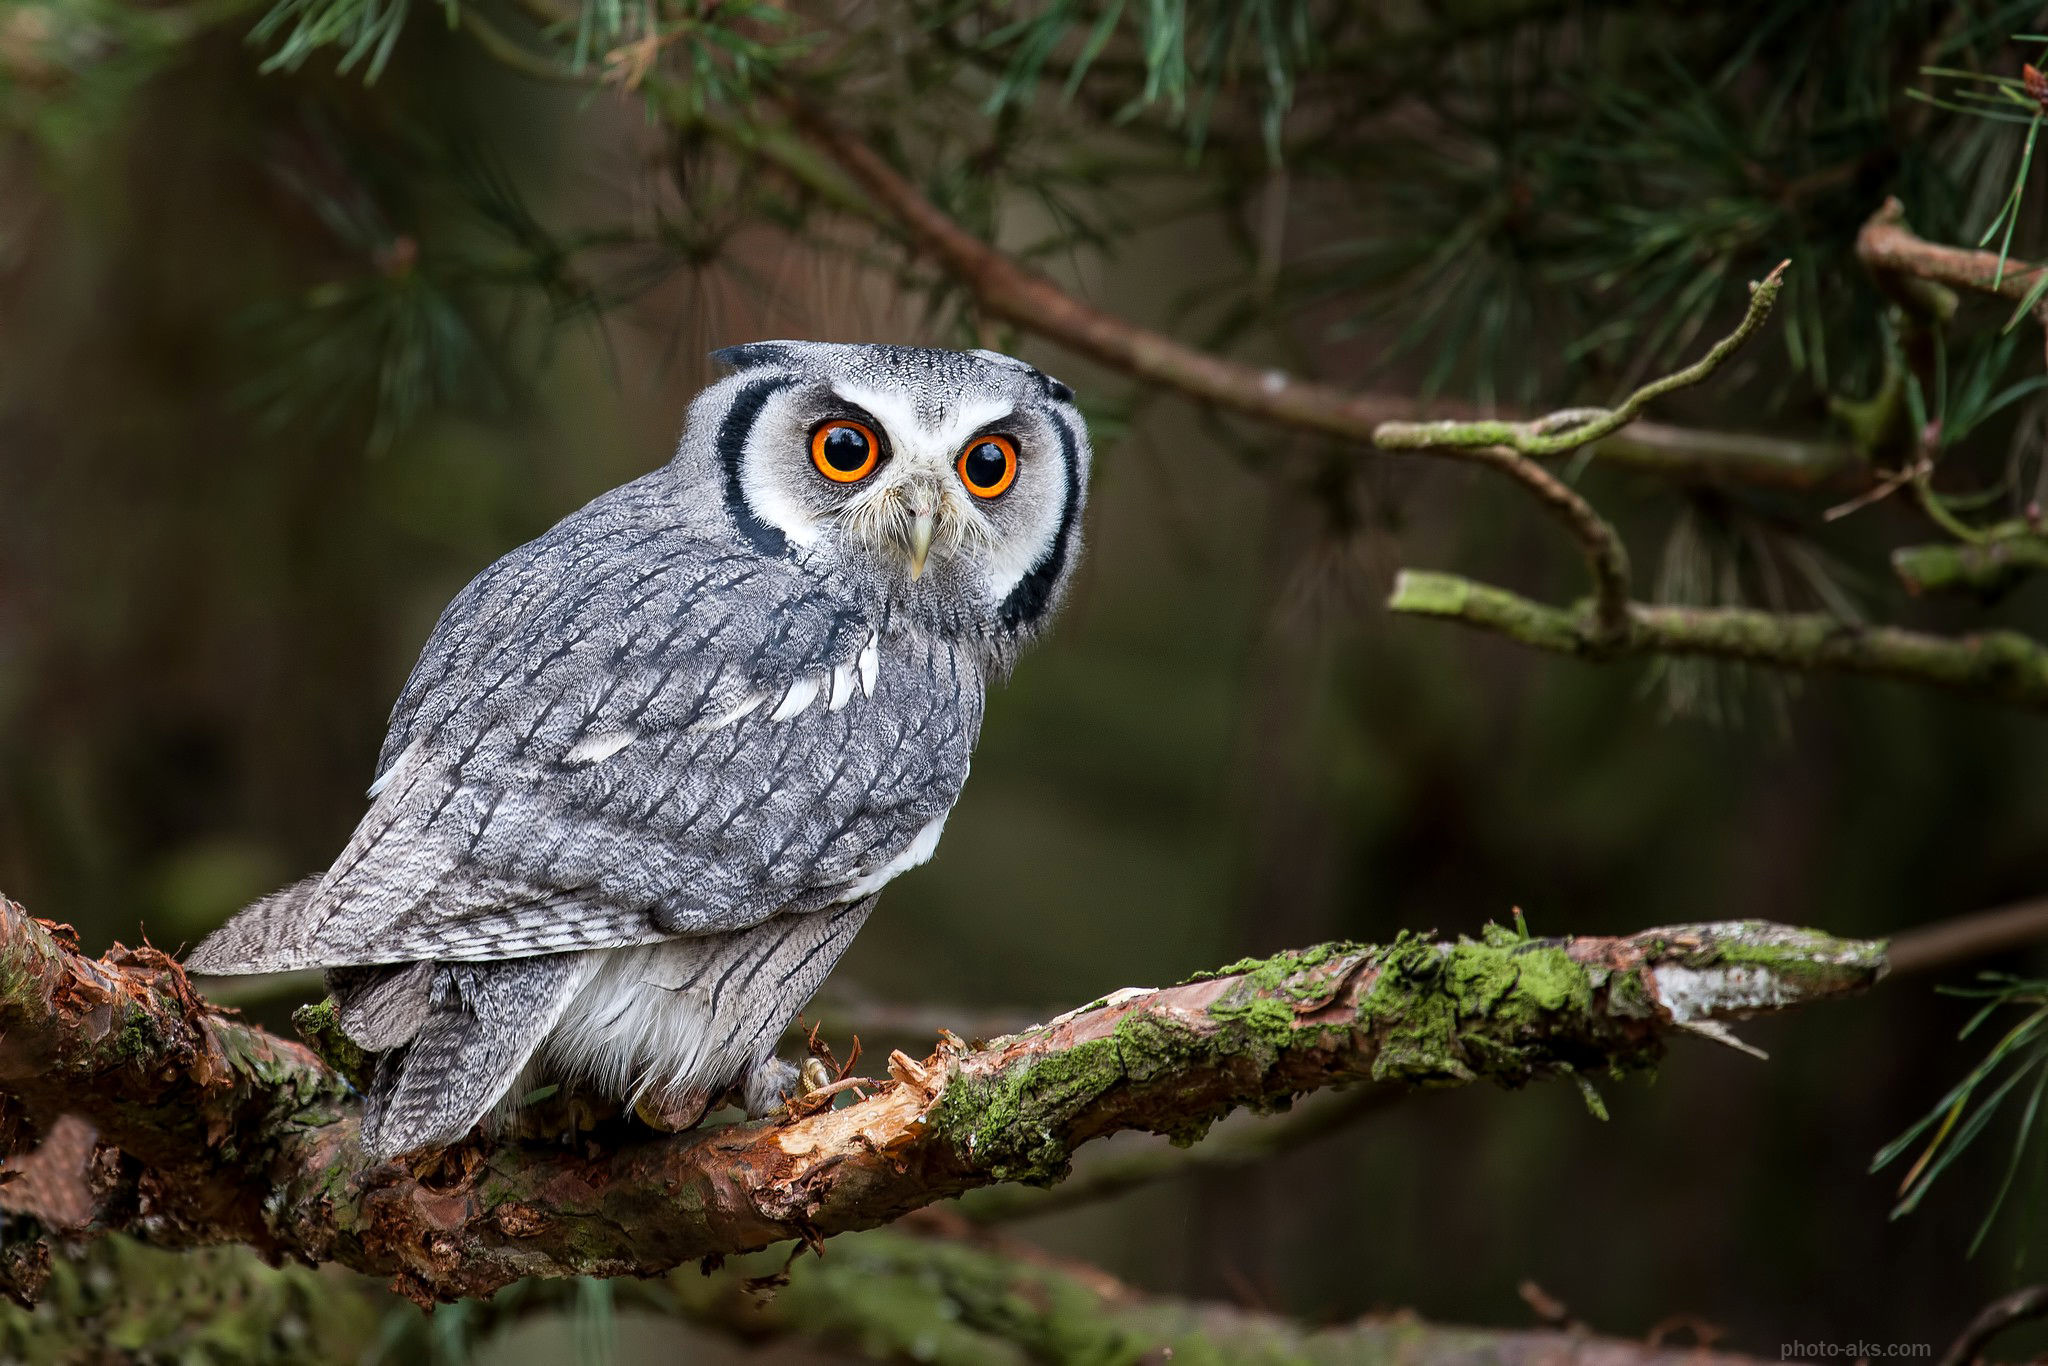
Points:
point(245, 1138)
point(2002, 666)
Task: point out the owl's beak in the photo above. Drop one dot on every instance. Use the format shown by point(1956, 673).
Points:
point(922, 503)
point(920, 539)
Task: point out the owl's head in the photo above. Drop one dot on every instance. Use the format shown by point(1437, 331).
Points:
point(950, 483)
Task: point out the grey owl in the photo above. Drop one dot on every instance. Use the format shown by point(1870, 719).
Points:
point(652, 769)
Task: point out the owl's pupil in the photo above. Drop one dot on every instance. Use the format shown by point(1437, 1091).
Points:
point(985, 465)
point(846, 450)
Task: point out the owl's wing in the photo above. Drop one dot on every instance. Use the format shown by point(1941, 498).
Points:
point(621, 734)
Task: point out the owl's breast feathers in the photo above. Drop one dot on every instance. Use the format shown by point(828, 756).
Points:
point(627, 731)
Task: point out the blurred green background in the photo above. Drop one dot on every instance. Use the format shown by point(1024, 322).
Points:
point(209, 596)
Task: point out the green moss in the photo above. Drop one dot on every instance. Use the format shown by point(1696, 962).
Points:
point(1014, 1124)
point(121, 1300)
point(1505, 1009)
point(319, 1025)
point(1269, 974)
point(1817, 963)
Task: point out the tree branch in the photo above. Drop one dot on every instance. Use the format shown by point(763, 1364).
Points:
point(1900, 257)
point(1234, 1149)
point(2021, 1306)
point(882, 1296)
point(1512, 447)
point(1004, 289)
point(2003, 666)
point(1944, 944)
point(895, 1297)
point(233, 1136)
point(1564, 432)
point(1987, 569)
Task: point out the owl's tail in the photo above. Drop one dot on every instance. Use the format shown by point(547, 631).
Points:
point(476, 1028)
point(267, 936)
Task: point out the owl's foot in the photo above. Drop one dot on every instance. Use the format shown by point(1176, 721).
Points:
point(557, 1115)
point(767, 1085)
point(774, 1083)
point(673, 1111)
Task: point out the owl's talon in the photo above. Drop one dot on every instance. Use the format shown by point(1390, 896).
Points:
point(812, 1076)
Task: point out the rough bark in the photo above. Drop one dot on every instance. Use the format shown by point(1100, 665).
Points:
point(229, 1135)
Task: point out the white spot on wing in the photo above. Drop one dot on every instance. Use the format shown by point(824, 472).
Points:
point(800, 695)
point(383, 780)
point(843, 682)
point(733, 713)
point(918, 851)
point(595, 749)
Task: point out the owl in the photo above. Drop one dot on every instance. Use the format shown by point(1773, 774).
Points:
point(653, 769)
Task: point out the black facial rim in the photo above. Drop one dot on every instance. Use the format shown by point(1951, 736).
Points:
point(1032, 596)
point(731, 445)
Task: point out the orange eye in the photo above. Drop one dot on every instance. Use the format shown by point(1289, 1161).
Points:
point(845, 452)
point(988, 465)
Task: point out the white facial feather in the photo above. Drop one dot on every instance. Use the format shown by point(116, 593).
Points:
point(924, 447)
point(1009, 558)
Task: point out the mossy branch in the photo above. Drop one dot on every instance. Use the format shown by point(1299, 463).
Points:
point(2002, 666)
point(1987, 568)
point(886, 1295)
point(1561, 433)
point(229, 1135)
point(1515, 447)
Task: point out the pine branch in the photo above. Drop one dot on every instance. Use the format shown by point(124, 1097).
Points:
point(1006, 290)
point(1986, 569)
point(1949, 943)
point(1903, 259)
point(2001, 666)
point(234, 1136)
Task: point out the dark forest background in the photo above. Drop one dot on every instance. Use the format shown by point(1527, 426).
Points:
point(241, 470)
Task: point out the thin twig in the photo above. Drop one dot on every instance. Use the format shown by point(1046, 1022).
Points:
point(1512, 448)
point(1887, 246)
point(1606, 555)
point(1946, 943)
point(2018, 1307)
point(1562, 433)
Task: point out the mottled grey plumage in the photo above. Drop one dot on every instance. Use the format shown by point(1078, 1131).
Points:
point(651, 768)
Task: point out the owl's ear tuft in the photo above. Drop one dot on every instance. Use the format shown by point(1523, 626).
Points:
point(1054, 390)
point(753, 355)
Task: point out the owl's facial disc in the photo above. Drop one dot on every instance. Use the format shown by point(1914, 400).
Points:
point(911, 488)
point(952, 482)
